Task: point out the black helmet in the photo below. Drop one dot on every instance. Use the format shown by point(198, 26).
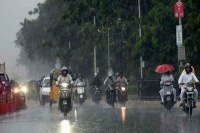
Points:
point(121, 72)
point(80, 76)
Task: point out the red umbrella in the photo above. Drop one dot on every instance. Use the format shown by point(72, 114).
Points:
point(164, 68)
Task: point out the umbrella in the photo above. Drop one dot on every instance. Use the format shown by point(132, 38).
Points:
point(164, 68)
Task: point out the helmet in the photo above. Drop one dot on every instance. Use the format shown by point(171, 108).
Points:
point(64, 71)
point(95, 74)
point(187, 65)
point(64, 68)
point(121, 73)
point(80, 76)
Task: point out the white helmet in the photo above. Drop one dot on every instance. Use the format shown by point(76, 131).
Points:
point(95, 74)
point(64, 68)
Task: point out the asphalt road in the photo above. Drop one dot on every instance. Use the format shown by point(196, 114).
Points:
point(136, 117)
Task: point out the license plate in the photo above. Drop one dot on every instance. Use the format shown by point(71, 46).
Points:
point(168, 93)
point(189, 92)
point(81, 90)
point(81, 96)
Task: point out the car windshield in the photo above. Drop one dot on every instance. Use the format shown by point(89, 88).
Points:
point(46, 83)
point(3, 77)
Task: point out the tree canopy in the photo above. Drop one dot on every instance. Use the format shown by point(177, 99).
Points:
point(66, 29)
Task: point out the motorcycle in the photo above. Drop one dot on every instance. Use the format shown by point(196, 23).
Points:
point(96, 95)
point(189, 98)
point(112, 93)
point(122, 94)
point(168, 95)
point(80, 92)
point(65, 95)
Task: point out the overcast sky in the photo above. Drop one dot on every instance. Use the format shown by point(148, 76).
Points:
point(12, 12)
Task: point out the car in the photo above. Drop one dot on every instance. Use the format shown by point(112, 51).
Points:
point(5, 82)
point(45, 91)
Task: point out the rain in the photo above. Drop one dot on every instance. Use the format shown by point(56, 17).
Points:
point(99, 66)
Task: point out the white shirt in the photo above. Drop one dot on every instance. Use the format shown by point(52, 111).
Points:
point(67, 79)
point(185, 78)
point(122, 81)
point(165, 78)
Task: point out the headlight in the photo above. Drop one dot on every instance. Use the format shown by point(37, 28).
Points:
point(190, 88)
point(16, 90)
point(123, 88)
point(24, 89)
point(64, 84)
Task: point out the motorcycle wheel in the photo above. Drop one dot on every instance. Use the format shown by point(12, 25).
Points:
point(168, 105)
point(190, 107)
point(112, 101)
point(50, 103)
point(122, 100)
point(65, 111)
point(97, 100)
point(81, 102)
point(123, 103)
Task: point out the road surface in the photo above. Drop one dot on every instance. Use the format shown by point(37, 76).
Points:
point(137, 117)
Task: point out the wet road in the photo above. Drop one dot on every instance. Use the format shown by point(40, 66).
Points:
point(137, 117)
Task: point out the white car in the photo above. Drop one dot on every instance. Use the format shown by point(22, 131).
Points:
point(45, 91)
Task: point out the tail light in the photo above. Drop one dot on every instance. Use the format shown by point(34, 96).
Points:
point(16, 90)
point(1, 85)
point(7, 83)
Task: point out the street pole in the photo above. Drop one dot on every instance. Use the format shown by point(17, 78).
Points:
point(140, 35)
point(108, 48)
point(95, 58)
point(181, 63)
point(95, 70)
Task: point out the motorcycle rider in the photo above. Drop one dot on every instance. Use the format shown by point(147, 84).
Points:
point(122, 81)
point(65, 78)
point(39, 83)
point(81, 80)
point(166, 77)
point(95, 82)
point(185, 78)
point(111, 81)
